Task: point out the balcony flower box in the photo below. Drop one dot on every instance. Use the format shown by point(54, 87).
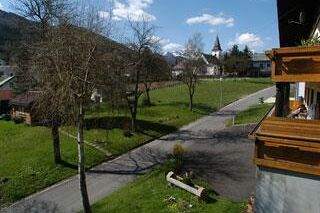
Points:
point(295, 64)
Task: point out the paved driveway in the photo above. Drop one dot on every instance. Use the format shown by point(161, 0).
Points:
point(227, 173)
point(224, 160)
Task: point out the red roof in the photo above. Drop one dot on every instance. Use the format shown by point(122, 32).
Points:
point(6, 95)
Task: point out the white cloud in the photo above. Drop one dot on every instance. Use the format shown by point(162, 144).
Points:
point(104, 14)
point(160, 40)
point(132, 9)
point(250, 39)
point(212, 31)
point(1, 6)
point(213, 20)
point(166, 44)
point(170, 47)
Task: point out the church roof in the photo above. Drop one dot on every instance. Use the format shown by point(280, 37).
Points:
point(211, 59)
point(217, 46)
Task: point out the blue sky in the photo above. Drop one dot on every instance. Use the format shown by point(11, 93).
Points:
point(251, 22)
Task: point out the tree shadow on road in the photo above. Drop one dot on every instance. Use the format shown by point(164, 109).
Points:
point(124, 123)
point(138, 162)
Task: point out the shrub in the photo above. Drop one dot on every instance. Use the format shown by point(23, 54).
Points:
point(177, 158)
point(178, 152)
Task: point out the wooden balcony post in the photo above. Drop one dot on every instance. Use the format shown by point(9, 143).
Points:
point(282, 99)
point(286, 99)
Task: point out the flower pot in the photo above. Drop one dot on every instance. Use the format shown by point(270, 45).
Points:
point(194, 189)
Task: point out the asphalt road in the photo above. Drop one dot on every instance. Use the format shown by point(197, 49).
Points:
point(223, 157)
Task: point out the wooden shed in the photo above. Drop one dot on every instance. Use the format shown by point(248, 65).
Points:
point(22, 106)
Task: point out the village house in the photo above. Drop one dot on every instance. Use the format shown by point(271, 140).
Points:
point(6, 94)
point(287, 140)
point(260, 65)
point(6, 87)
point(21, 107)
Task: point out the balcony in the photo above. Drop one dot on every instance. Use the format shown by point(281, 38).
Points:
point(295, 64)
point(291, 144)
point(288, 144)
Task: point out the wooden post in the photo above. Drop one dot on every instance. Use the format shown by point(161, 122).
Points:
point(286, 99)
point(282, 99)
point(279, 100)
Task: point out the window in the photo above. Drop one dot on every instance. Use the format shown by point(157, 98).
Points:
point(268, 64)
point(261, 66)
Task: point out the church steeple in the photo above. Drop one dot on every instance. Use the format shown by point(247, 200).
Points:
point(217, 46)
point(216, 50)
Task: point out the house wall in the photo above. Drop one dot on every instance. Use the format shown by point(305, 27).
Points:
point(212, 70)
point(264, 66)
point(280, 191)
point(21, 113)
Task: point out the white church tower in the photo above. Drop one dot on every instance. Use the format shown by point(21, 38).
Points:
point(217, 51)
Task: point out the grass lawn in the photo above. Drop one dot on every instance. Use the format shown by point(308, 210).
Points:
point(27, 163)
point(168, 112)
point(26, 152)
point(252, 115)
point(149, 193)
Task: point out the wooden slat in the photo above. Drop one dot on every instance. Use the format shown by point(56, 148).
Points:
point(286, 141)
point(290, 131)
point(302, 148)
point(290, 128)
point(296, 167)
point(284, 136)
point(292, 121)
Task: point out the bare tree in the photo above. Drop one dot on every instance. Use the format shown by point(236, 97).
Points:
point(47, 13)
point(70, 64)
point(192, 64)
point(44, 12)
point(142, 39)
point(154, 69)
point(67, 62)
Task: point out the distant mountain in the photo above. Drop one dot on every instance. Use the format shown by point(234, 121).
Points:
point(13, 29)
point(170, 58)
point(173, 58)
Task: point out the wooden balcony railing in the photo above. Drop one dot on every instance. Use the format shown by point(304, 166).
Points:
point(295, 64)
point(288, 144)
